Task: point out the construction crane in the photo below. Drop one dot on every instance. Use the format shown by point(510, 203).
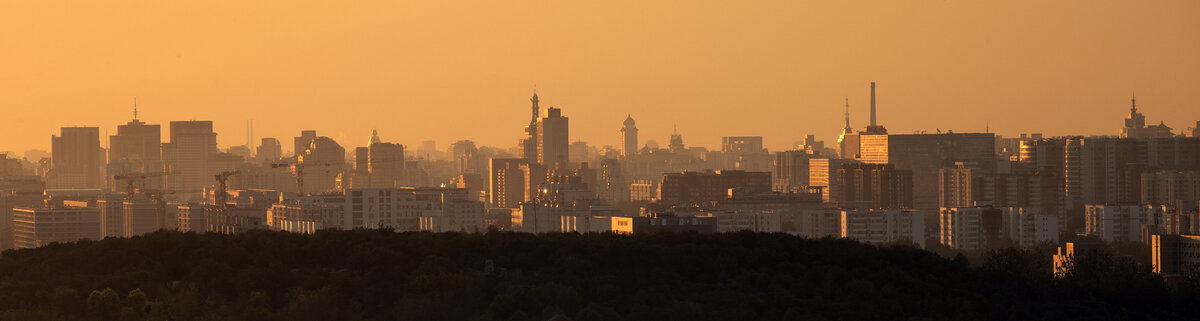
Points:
point(130, 178)
point(298, 167)
point(160, 202)
point(222, 178)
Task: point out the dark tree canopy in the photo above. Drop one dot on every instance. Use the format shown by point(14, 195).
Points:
point(381, 275)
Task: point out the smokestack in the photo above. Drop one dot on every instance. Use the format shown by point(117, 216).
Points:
point(872, 104)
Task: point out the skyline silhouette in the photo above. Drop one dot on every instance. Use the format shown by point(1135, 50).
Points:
point(457, 71)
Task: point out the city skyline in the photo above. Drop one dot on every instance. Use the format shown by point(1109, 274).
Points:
point(662, 63)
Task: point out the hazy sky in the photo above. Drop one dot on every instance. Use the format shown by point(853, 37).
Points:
point(451, 70)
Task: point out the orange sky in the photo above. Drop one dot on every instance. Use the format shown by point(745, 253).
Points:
point(450, 70)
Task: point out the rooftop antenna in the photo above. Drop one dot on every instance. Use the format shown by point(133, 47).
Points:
point(135, 109)
point(847, 130)
point(987, 126)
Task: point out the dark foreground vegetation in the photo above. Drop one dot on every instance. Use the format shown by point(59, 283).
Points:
point(377, 275)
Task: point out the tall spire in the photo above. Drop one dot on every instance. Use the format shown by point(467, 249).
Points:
point(535, 106)
point(1133, 104)
point(135, 109)
point(847, 129)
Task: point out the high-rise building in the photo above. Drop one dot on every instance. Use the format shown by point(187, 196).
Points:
point(924, 155)
point(822, 172)
point(323, 162)
point(613, 186)
point(741, 152)
point(874, 186)
point(693, 187)
point(136, 148)
point(884, 226)
point(385, 162)
point(553, 140)
point(1123, 223)
point(1166, 187)
point(507, 182)
point(302, 141)
point(629, 137)
point(190, 156)
point(790, 171)
point(269, 151)
point(985, 227)
point(529, 144)
point(77, 161)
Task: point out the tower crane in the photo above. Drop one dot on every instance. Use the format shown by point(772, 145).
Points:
point(130, 178)
point(222, 178)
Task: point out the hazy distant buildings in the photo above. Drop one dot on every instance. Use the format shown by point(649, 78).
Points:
point(629, 137)
point(613, 186)
point(823, 172)
point(190, 156)
point(507, 182)
point(985, 227)
point(745, 153)
point(269, 151)
point(1166, 187)
point(322, 161)
point(1135, 125)
point(529, 144)
point(874, 186)
point(77, 161)
point(1122, 223)
point(38, 226)
point(791, 170)
point(884, 226)
point(553, 141)
point(693, 187)
point(136, 148)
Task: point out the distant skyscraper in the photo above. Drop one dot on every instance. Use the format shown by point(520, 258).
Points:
point(323, 160)
point(529, 144)
point(386, 163)
point(629, 137)
point(269, 150)
point(136, 148)
point(613, 186)
point(190, 155)
point(302, 141)
point(790, 172)
point(507, 183)
point(553, 141)
point(77, 159)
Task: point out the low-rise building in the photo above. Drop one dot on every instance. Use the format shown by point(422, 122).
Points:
point(1175, 255)
point(1122, 223)
point(38, 226)
point(884, 226)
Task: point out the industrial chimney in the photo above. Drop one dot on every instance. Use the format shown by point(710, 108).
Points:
point(872, 104)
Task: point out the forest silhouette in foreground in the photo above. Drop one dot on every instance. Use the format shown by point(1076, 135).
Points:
point(380, 275)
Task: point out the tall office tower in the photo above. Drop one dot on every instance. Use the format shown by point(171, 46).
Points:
point(386, 164)
point(77, 161)
point(745, 153)
point(136, 148)
point(629, 137)
point(553, 141)
point(465, 155)
point(506, 182)
point(822, 172)
point(190, 155)
point(791, 172)
point(361, 169)
point(529, 144)
point(1047, 152)
point(323, 160)
point(848, 141)
point(578, 152)
point(613, 186)
point(269, 151)
point(924, 155)
point(302, 141)
point(875, 186)
point(1135, 125)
